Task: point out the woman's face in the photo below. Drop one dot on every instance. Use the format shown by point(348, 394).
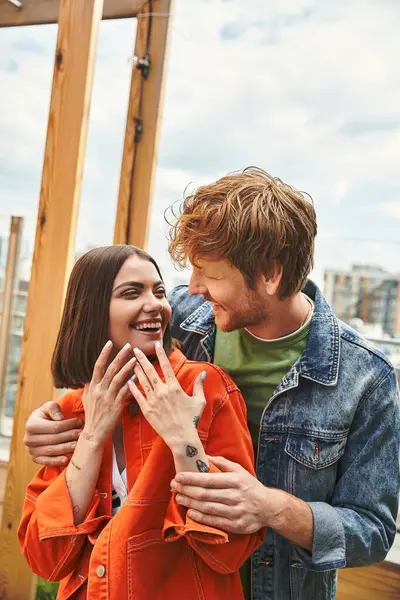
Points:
point(139, 311)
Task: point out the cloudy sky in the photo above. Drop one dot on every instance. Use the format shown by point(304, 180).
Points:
point(308, 90)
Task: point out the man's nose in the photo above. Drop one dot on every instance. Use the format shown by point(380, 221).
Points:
point(196, 285)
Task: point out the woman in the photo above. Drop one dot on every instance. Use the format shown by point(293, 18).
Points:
point(107, 525)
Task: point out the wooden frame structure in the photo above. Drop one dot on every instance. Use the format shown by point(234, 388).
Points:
point(78, 25)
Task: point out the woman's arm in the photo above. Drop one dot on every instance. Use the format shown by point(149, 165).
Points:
point(103, 401)
point(174, 414)
point(60, 507)
point(171, 412)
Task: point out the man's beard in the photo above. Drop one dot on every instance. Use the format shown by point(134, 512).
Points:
point(254, 314)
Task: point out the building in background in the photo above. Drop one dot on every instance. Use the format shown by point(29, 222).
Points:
point(368, 293)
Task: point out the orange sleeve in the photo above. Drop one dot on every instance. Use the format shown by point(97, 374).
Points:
point(49, 540)
point(229, 437)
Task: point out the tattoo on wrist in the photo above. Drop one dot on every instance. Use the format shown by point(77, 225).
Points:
point(75, 465)
point(191, 451)
point(87, 436)
point(75, 509)
point(202, 467)
point(196, 421)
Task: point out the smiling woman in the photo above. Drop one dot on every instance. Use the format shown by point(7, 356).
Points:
point(139, 311)
point(108, 522)
point(112, 292)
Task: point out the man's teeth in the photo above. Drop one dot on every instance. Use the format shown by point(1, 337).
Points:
point(147, 326)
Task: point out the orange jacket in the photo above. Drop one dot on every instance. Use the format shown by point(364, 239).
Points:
point(150, 549)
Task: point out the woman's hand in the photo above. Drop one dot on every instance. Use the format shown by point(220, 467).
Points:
point(104, 396)
point(170, 411)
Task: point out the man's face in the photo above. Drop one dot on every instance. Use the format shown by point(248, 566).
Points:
point(235, 305)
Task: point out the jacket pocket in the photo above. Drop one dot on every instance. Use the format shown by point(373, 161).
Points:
point(312, 465)
point(315, 452)
point(306, 584)
point(160, 570)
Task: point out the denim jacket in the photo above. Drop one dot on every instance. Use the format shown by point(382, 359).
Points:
point(330, 434)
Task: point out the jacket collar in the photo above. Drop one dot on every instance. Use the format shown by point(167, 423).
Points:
point(320, 360)
point(201, 320)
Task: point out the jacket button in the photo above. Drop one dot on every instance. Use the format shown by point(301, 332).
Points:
point(100, 571)
point(134, 408)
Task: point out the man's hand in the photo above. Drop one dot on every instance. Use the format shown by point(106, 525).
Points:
point(233, 500)
point(49, 437)
point(237, 502)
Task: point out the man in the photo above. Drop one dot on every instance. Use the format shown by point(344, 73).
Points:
point(322, 402)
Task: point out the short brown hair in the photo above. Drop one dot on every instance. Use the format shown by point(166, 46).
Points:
point(252, 219)
point(84, 325)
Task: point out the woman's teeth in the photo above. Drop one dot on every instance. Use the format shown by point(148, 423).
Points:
point(147, 326)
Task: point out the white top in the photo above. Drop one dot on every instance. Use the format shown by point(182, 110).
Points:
point(119, 486)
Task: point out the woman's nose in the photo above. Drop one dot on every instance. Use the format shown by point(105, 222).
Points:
point(153, 304)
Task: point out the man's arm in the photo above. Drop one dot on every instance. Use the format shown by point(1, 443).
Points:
point(49, 437)
point(358, 526)
point(237, 502)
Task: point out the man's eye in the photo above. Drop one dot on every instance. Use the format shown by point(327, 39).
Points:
point(161, 292)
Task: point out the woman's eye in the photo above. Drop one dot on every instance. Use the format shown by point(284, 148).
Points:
point(130, 293)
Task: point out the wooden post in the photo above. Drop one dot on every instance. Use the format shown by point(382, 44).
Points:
point(52, 259)
point(142, 126)
point(8, 296)
point(40, 12)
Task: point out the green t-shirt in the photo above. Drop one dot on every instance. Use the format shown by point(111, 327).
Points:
point(257, 367)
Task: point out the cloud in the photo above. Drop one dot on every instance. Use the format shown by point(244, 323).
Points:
point(390, 209)
point(308, 90)
point(384, 125)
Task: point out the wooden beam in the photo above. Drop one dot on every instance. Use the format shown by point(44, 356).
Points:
point(145, 101)
point(14, 242)
point(52, 260)
point(42, 12)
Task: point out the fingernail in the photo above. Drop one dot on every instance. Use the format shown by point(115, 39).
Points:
point(126, 347)
point(158, 345)
point(203, 375)
point(109, 344)
point(179, 478)
point(80, 423)
point(132, 361)
point(179, 499)
point(73, 445)
point(137, 351)
point(64, 461)
point(58, 415)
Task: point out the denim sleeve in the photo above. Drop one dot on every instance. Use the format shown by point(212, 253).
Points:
point(359, 525)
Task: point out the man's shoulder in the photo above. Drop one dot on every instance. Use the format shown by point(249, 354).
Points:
point(183, 304)
point(359, 350)
point(180, 298)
